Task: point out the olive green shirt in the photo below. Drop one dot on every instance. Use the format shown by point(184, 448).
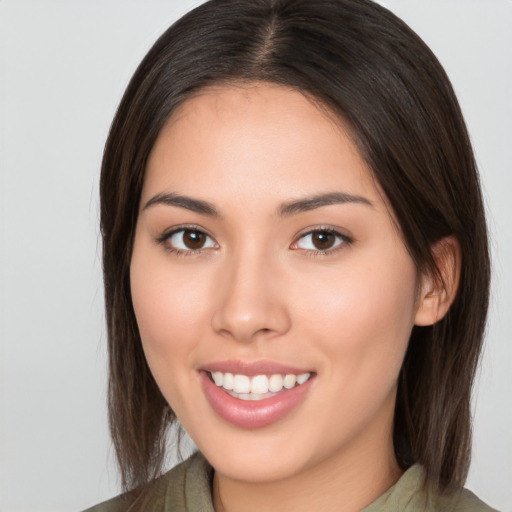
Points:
point(187, 488)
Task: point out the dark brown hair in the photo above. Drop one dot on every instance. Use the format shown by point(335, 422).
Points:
point(366, 66)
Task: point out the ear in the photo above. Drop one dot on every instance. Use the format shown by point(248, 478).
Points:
point(438, 290)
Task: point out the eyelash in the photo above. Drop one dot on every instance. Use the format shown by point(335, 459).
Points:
point(167, 235)
point(344, 240)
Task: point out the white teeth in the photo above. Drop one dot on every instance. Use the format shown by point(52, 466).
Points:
point(218, 378)
point(250, 396)
point(241, 384)
point(228, 381)
point(259, 386)
point(275, 383)
point(303, 378)
point(289, 381)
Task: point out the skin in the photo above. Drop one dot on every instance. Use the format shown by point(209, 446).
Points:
point(259, 289)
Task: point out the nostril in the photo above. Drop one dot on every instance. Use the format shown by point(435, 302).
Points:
point(244, 320)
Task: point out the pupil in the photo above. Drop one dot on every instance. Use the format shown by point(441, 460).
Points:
point(193, 239)
point(323, 240)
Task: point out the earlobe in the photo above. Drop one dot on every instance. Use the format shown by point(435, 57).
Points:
point(438, 290)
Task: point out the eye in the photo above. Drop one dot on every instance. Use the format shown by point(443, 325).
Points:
point(189, 240)
point(320, 240)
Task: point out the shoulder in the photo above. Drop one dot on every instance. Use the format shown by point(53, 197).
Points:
point(186, 487)
point(463, 501)
point(410, 494)
point(468, 502)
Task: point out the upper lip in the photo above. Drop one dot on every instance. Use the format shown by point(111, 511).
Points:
point(251, 368)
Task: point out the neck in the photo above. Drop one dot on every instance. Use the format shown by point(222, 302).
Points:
point(343, 483)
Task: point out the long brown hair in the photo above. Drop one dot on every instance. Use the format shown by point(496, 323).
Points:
point(366, 66)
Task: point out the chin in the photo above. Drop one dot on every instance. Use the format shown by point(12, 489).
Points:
point(259, 456)
point(257, 468)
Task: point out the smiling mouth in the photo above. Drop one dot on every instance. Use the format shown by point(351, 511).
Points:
point(255, 395)
point(257, 387)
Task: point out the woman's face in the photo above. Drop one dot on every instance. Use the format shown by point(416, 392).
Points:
point(265, 257)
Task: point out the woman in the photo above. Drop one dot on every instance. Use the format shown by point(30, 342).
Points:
point(296, 265)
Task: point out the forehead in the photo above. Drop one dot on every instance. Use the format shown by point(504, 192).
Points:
point(267, 137)
point(267, 98)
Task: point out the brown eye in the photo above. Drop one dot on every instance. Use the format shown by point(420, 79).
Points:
point(321, 240)
point(187, 240)
point(193, 239)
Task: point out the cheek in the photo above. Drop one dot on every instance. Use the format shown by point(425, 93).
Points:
point(165, 304)
point(363, 315)
point(170, 308)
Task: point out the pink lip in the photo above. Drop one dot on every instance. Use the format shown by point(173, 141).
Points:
point(252, 414)
point(253, 368)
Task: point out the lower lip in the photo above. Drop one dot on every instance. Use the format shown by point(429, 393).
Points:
point(252, 414)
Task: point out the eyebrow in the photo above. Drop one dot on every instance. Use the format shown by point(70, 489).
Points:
point(311, 203)
point(286, 209)
point(195, 205)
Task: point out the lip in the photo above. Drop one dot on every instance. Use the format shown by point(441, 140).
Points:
point(253, 414)
point(253, 368)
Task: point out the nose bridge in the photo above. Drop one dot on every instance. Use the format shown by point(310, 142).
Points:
point(250, 302)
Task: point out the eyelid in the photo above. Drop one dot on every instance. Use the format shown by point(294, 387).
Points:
point(168, 233)
point(345, 240)
point(164, 238)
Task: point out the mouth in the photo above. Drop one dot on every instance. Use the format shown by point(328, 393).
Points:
point(257, 387)
point(255, 395)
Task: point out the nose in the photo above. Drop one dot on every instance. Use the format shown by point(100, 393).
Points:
point(251, 300)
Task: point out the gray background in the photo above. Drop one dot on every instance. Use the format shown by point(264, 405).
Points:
point(63, 67)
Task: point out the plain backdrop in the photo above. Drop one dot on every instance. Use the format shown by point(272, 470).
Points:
point(63, 67)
